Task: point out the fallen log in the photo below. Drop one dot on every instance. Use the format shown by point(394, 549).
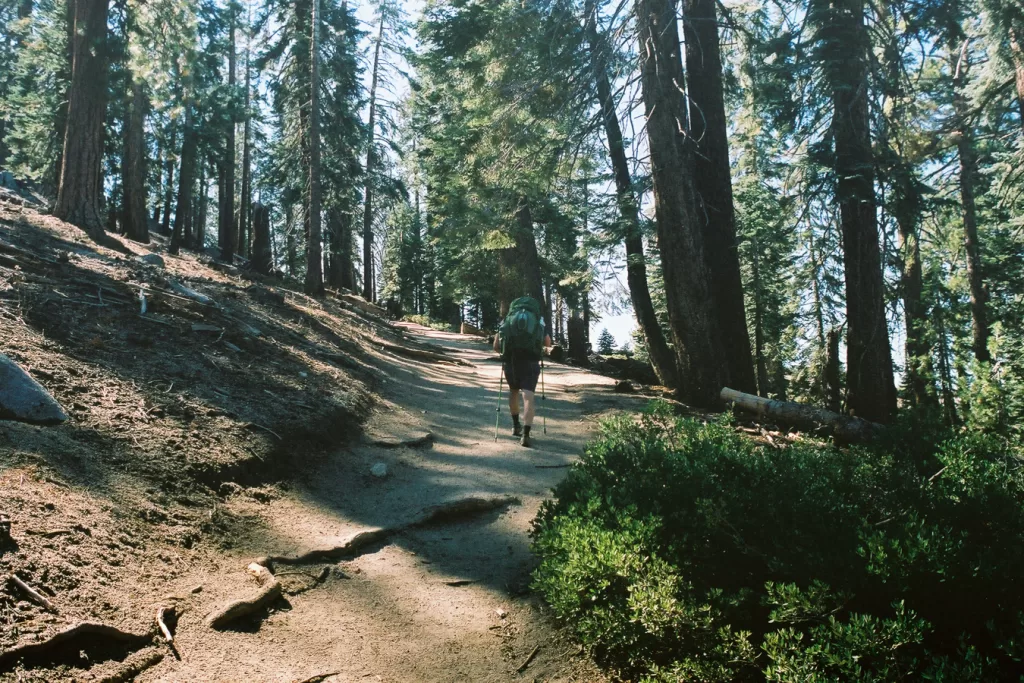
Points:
point(842, 427)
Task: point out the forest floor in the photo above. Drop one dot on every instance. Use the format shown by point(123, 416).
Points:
point(235, 419)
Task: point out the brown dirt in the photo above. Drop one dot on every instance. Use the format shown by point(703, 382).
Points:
point(191, 452)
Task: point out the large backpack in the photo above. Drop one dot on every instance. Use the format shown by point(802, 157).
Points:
point(522, 330)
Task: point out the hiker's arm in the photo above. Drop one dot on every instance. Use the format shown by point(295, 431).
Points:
point(547, 341)
point(497, 343)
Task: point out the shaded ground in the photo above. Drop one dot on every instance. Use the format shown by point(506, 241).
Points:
point(204, 436)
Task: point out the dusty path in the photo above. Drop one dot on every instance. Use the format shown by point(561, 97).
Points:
point(447, 603)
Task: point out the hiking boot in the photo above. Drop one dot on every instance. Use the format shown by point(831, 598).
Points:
point(526, 441)
point(517, 430)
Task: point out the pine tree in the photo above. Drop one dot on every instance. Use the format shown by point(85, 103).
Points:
point(605, 342)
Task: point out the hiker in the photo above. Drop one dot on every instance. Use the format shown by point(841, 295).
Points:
point(521, 341)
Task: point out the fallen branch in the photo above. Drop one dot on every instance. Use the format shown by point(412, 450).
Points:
point(266, 429)
point(192, 294)
point(33, 594)
point(68, 635)
point(267, 595)
point(842, 427)
point(162, 624)
point(529, 658)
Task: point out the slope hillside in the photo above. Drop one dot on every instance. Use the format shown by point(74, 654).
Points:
point(216, 416)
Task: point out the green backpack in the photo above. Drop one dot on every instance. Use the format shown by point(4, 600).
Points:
point(523, 329)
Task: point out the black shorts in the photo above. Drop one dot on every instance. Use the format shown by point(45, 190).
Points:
point(522, 373)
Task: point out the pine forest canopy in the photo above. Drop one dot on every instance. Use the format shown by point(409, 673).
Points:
point(816, 201)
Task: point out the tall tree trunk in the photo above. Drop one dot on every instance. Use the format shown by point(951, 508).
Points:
point(79, 195)
point(201, 215)
point(368, 278)
point(520, 265)
point(712, 178)
point(158, 190)
point(133, 170)
point(291, 252)
point(262, 258)
point(917, 350)
point(968, 175)
point(945, 369)
point(226, 220)
point(700, 358)
point(759, 342)
point(245, 236)
point(871, 392)
point(661, 356)
point(577, 338)
point(314, 255)
point(165, 224)
point(186, 185)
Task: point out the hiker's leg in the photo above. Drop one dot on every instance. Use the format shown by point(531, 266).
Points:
point(513, 401)
point(529, 407)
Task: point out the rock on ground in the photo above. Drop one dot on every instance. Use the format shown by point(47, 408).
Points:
point(23, 399)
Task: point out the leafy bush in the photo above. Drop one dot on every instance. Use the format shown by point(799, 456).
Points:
point(682, 551)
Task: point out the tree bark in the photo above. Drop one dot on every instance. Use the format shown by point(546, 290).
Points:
point(226, 236)
point(917, 350)
point(314, 255)
point(199, 228)
point(871, 392)
point(968, 174)
point(165, 224)
point(186, 186)
point(712, 178)
point(368, 279)
point(520, 265)
point(79, 194)
point(262, 258)
point(245, 236)
point(700, 358)
point(661, 356)
point(577, 338)
point(133, 170)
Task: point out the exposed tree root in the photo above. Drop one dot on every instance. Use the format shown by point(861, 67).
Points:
point(417, 442)
point(135, 665)
point(266, 596)
point(69, 641)
point(466, 507)
point(263, 567)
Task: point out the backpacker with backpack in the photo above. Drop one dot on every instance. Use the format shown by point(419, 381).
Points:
point(522, 331)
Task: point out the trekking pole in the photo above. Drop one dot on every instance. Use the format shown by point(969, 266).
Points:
point(543, 396)
point(497, 411)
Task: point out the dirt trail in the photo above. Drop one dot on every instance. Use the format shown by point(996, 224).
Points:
point(446, 603)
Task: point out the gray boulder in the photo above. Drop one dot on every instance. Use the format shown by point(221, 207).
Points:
point(23, 399)
point(153, 260)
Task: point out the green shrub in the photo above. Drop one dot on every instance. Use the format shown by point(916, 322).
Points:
point(684, 552)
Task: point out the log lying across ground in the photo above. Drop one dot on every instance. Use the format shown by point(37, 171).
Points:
point(842, 427)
